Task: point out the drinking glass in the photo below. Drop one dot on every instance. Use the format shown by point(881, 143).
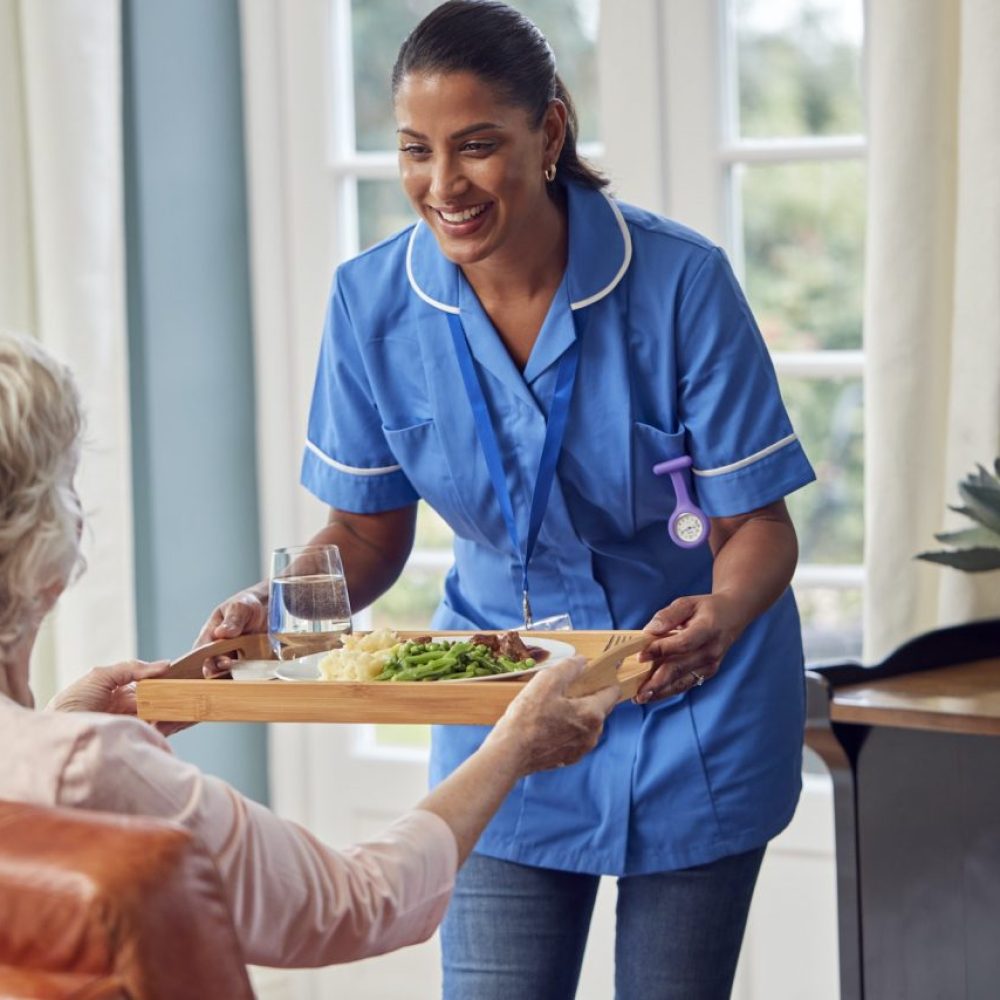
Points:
point(309, 610)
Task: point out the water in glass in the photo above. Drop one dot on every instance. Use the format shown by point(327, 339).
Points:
point(309, 609)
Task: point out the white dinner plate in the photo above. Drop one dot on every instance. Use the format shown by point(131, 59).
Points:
point(306, 668)
point(253, 670)
point(558, 651)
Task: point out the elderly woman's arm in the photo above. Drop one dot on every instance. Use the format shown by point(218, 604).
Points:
point(541, 729)
point(294, 901)
point(297, 902)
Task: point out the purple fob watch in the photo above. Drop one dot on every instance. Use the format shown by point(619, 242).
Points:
point(688, 526)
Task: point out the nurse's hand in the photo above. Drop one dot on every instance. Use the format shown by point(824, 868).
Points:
point(241, 614)
point(693, 634)
point(544, 727)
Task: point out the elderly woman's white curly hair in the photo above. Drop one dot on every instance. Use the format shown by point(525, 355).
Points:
point(40, 428)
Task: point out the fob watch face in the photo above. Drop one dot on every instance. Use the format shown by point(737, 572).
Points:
point(689, 527)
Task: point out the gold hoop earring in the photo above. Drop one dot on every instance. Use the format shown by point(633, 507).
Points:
point(550, 172)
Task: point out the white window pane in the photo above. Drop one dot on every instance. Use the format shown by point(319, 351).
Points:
point(412, 600)
point(402, 737)
point(378, 29)
point(383, 209)
point(829, 514)
point(831, 622)
point(798, 69)
point(571, 28)
point(802, 236)
point(432, 530)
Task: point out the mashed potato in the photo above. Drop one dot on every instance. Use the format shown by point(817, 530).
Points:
point(361, 658)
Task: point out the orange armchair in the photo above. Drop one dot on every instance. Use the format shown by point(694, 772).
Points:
point(95, 906)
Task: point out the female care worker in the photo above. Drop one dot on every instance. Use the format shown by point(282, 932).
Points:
point(521, 358)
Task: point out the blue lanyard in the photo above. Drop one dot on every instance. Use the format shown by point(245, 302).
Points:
point(555, 430)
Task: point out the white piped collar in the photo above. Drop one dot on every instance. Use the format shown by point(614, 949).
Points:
point(600, 251)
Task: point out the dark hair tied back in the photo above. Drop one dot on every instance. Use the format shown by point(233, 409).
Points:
point(504, 48)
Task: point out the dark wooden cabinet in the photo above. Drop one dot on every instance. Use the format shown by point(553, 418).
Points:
point(913, 746)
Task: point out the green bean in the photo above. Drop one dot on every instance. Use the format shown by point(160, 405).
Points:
point(404, 675)
point(418, 658)
point(437, 667)
point(447, 659)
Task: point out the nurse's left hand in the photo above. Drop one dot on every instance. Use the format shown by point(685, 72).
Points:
point(693, 634)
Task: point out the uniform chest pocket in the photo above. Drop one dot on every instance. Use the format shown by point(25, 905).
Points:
point(653, 497)
point(418, 449)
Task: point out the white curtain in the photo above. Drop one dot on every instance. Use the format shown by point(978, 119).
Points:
point(932, 319)
point(62, 279)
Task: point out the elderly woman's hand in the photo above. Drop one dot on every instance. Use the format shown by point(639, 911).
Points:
point(112, 689)
point(544, 727)
point(107, 689)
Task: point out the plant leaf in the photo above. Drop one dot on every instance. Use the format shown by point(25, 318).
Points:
point(996, 465)
point(987, 478)
point(970, 538)
point(983, 504)
point(968, 560)
point(983, 479)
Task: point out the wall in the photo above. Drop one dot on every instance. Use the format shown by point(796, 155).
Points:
point(195, 477)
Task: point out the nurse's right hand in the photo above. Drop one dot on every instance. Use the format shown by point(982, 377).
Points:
point(544, 727)
point(241, 614)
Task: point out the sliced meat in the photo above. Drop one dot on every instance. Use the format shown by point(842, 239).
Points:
point(509, 644)
point(512, 647)
point(491, 642)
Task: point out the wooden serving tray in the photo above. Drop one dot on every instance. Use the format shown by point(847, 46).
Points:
point(184, 696)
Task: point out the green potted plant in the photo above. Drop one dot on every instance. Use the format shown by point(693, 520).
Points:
point(975, 549)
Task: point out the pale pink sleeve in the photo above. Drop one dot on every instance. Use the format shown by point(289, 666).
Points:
point(295, 901)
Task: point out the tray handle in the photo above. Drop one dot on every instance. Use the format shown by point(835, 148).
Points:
point(602, 669)
point(253, 646)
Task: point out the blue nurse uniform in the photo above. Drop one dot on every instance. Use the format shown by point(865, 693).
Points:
point(671, 362)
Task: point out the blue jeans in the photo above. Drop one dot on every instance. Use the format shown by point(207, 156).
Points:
point(518, 932)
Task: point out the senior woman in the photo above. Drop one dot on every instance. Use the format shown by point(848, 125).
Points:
point(527, 358)
point(295, 902)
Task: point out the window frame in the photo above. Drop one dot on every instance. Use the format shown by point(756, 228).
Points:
point(664, 151)
point(697, 44)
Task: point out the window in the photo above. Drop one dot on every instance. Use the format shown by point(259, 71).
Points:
point(759, 106)
point(761, 147)
point(792, 149)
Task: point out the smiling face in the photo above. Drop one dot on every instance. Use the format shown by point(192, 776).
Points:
point(472, 165)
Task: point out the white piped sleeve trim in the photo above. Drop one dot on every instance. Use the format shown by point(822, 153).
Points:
point(749, 460)
point(350, 469)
